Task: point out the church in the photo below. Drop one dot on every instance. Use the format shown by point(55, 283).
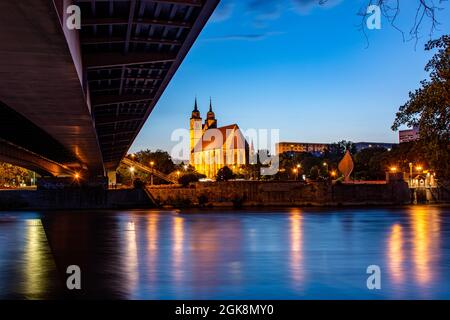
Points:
point(214, 147)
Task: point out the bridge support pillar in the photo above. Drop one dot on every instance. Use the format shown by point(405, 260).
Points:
point(112, 178)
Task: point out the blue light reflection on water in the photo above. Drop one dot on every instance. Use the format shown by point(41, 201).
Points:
point(313, 253)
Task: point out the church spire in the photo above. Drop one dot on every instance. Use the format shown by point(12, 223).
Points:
point(195, 112)
point(211, 121)
point(195, 106)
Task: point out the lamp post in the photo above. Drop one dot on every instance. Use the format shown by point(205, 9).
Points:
point(152, 163)
point(326, 166)
point(295, 170)
point(132, 174)
point(333, 174)
point(410, 172)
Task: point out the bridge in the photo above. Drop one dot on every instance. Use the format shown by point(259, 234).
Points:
point(73, 101)
point(143, 168)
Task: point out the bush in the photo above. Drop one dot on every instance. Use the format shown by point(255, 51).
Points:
point(224, 174)
point(188, 178)
point(314, 172)
point(138, 183)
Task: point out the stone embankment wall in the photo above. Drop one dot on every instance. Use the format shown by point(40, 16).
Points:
point(274, 193)
point(89, 198)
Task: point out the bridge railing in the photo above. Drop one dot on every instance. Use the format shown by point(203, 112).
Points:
point(141, 167)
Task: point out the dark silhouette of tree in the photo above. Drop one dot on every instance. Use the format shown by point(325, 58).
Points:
point(429, 108)
point(224, 174)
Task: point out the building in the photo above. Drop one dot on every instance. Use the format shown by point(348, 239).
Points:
point(365, 145)
point(408, 135)
point(319, 148)
point(297, 147)
point(214, 147)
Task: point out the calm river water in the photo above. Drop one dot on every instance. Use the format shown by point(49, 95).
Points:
point(306, 253)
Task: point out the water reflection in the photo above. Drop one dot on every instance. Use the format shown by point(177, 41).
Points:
point(396, 254)
point(260, 254)
point(177, 249)
point(35, 254)
point(152, 245)
point(130, 255)
point(425, 236)
point(296, 240)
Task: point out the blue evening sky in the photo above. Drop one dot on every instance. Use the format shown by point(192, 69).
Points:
point(295, 66)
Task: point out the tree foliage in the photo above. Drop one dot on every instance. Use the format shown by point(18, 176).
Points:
point(13, 175)
point(224, 174)
point(429, 108)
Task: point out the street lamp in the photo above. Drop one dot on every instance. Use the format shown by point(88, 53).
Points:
point(326, 166)
point(295, 170)
point(333, 173)
point(393, 169)
point(152, 163)
point(410, 172)
point(132, 174)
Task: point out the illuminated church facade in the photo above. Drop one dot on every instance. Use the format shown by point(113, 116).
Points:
point(214, 147)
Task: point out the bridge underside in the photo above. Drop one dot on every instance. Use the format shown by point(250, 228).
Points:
point(131, 50)
point(80, 97)
point(39, 81)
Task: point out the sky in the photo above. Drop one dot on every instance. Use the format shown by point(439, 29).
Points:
point(297, 66)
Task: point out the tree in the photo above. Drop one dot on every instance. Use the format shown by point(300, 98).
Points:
point(314, 172)
point(162, 161)
point(368, 165)
point(188, 178)
point(13, 175)
point(336, 151)
point(429, 108)
point(224, 174)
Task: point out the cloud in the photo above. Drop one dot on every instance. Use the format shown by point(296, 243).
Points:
point(224, 11)
point(261, 11)
point(306, 6)
point(244, 37)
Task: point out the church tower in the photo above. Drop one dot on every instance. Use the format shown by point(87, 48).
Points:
point(210, 121)
point(195, 130)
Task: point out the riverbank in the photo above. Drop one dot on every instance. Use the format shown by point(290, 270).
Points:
point(230, 194)
point(81, 198)
point(279, 193)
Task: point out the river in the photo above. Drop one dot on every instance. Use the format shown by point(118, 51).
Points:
point(292, 253)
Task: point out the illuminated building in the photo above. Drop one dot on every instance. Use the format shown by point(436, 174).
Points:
point(214, 147)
